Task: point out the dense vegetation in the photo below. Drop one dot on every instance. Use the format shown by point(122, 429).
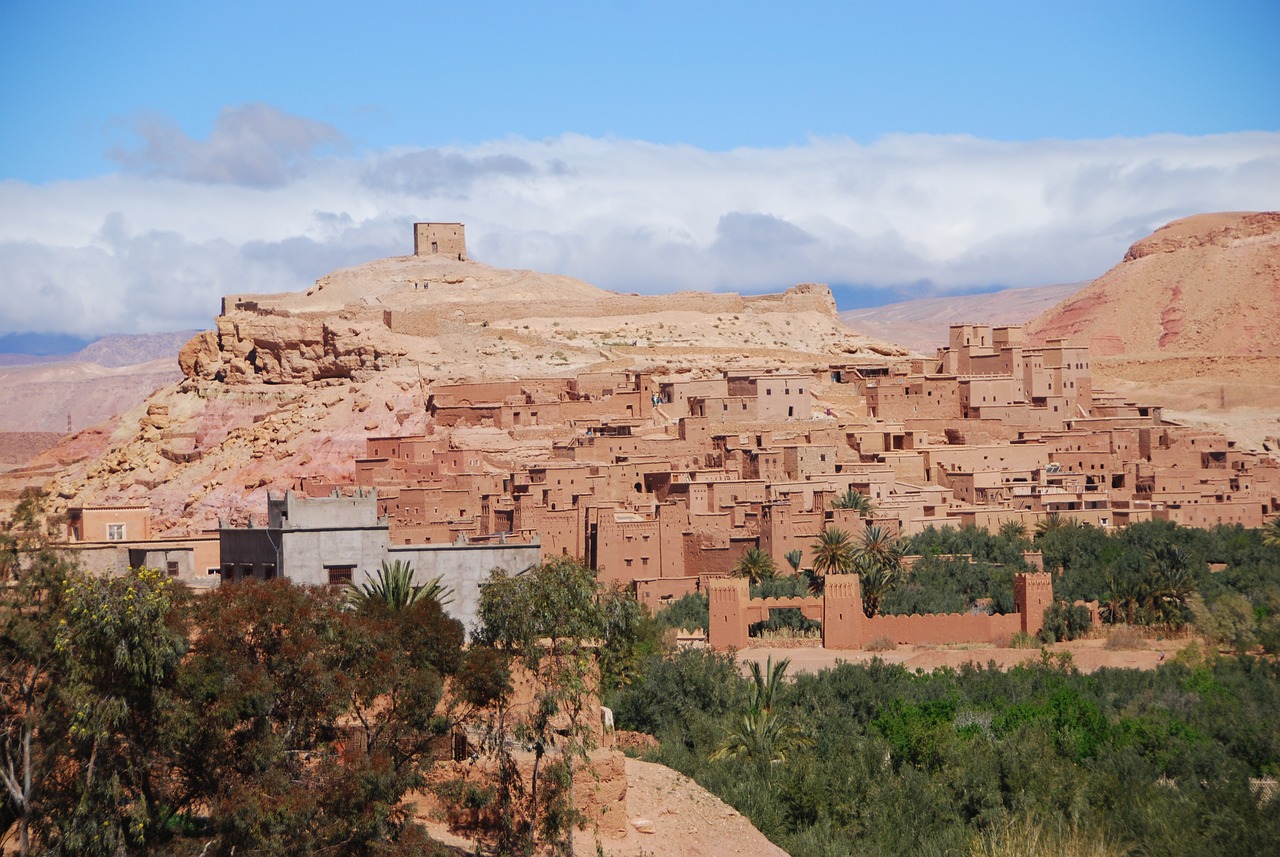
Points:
point(884, 761)
point(1038, 759)
point(269, 718)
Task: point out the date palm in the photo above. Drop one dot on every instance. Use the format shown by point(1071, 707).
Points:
point(793, 559)
point(756, 565)
point(878, 559)
point(853, 499)
point(393, 586)
point(833, 552)
point(1271, 532)
point(760, 734)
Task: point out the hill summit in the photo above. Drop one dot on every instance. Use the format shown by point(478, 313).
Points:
point(1203, 285)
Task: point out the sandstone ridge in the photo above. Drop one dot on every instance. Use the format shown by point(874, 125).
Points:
point(469, 320)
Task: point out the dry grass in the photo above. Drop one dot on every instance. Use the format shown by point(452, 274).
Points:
point(881, 644)
point(1023, 640)
point(1124, 637)
point(1029, 837)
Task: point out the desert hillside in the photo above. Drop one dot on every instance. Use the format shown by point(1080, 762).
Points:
point(1189, 319)
point(290, 385)
point(922, 324)
point(1208, 284)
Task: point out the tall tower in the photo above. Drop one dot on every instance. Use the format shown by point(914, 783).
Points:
point(440, 239)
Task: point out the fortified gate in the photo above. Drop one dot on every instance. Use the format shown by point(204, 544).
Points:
point(845, 626)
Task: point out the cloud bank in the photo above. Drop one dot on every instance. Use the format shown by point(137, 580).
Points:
point(268, 203)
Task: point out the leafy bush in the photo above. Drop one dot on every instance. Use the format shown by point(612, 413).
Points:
point(1063, 622)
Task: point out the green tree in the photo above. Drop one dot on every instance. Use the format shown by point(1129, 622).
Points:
point(120, 641)
point(1229, 621)
point(393, 585)
point(878, 559)
point(853, 499)
point(1052, 523)
point(1171, 583)
point(756, 565)
point(794, 558)
point(31, 673)
point(761, 734)
point(1013, 531)
point(1271, 532)
point(833, 552)
point(550, 617)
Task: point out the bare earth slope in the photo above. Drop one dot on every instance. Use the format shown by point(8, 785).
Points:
point(291, 385)
point(1189, 318)
point(922, 324)
point(1208, 284)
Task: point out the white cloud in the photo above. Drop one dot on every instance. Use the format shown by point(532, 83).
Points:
point(257, 209)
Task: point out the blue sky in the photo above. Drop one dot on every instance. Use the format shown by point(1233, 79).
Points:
point(158, 155)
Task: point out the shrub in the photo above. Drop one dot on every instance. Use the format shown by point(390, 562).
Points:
point(1124, 637)
point(1063, 622)
point(881, 644)
point(1023, 640)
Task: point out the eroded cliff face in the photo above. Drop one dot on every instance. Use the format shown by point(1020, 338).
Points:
point(464, 320)
point(248, 347)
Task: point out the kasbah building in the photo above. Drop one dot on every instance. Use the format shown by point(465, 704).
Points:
point(662, 483)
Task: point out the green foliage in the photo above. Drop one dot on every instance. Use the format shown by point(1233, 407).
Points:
point(964, 761)
point(565, 632)
point(119, 644)
point(833, 552)
point(689, 612)
point(760, 734)
point(755, 565)
point(1228, 622)
point(794, 557)
point(393, 587)
point(852, 499)
point(1063, 621)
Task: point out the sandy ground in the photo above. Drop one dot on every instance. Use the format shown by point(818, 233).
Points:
point(1086, 655)
point(670, 815)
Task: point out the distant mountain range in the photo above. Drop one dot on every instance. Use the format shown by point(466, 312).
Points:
point(25, 349)
point(921, 324)
point(59, 393)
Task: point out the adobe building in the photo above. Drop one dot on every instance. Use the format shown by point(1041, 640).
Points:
point(110, 540)
point(336, 540)
point(436, 239)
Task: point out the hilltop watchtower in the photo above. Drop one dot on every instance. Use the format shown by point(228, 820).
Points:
point(435, 239)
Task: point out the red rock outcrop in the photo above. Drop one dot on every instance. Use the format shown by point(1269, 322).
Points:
point(1208, 284)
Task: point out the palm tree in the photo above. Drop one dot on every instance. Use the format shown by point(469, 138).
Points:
point(761, 735)
point(393, 586)
point(852, 499)
point(878, 559)
point(1052, 523)
point(832, 552)
point(1171, 582)
point(756, 565)
point(1271, 532)
point(1013, 531)
point(793, 559)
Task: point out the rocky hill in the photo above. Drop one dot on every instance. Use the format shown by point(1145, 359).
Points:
point(290, 385)
point(1208, 284)
point(922, 324)
point(1189, 318)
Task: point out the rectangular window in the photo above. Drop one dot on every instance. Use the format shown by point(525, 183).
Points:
point(340, 575)
point(171, 568)
point(115, 532)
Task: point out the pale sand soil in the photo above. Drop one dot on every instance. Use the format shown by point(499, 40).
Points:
point(1087, 655)
point(686, 820)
